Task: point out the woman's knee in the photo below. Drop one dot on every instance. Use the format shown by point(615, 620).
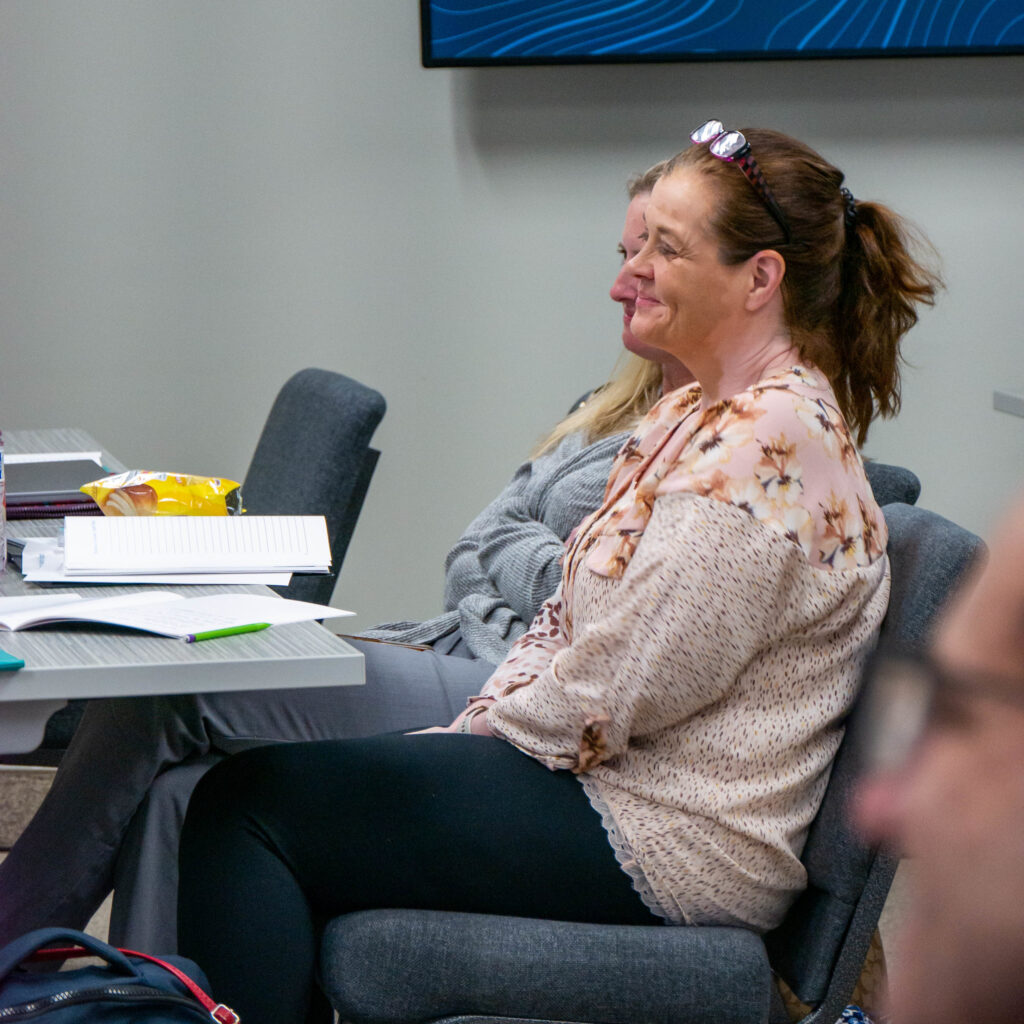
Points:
point(226, 786)
point(253, 781)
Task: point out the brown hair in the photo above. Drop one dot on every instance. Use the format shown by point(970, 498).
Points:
point(852, 282)
point(624, 400)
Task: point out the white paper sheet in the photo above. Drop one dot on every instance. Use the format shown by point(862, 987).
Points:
point(148, 544)
point(43, 562)
point(15, 458)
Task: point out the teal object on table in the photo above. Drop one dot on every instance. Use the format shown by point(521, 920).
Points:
point(10, 662)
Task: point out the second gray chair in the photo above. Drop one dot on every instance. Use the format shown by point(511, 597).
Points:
point(314, 458)
point(891, 483)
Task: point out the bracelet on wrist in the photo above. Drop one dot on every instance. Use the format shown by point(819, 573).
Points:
point(466, 724)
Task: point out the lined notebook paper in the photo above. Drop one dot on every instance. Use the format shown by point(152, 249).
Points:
point(148, 544)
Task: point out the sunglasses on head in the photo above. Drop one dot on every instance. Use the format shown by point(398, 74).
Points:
point(733, 147)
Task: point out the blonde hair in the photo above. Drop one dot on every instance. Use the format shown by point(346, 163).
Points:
point(620, 404)
point(613, 408)
point(644, 182)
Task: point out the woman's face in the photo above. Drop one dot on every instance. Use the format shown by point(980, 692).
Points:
point(687, 299)
point(623, 288)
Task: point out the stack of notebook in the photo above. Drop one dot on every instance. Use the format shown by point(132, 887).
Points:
point(46, 485)
point(180, 549)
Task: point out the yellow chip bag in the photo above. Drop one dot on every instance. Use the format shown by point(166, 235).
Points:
point(141, 493)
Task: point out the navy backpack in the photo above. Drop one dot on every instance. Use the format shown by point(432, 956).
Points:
point(128, 987)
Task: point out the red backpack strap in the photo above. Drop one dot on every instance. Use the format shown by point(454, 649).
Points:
point(218, 1011)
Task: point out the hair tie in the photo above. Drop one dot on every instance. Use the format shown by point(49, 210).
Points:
point(851, 206)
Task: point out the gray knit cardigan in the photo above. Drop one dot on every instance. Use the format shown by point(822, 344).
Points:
point(508, 561)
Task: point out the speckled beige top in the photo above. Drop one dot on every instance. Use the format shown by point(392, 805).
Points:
point(697, 661)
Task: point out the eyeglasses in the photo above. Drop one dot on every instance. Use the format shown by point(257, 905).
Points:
point(734, 148)
point(905, 695)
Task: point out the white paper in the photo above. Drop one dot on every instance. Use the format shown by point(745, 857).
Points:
point(67, 607)
point(42, 561)
point(32, 602)
point(220, 611)
point(146, 544)
point(22, 457)
point(169, 614)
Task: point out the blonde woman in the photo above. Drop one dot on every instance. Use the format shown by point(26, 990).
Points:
point(114, 813)
point(508, 561)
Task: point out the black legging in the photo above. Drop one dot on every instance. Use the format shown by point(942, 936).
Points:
point(281, 839)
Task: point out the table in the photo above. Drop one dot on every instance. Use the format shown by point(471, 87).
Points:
point(94, 661)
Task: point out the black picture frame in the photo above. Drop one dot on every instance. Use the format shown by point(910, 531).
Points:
point(528, 32)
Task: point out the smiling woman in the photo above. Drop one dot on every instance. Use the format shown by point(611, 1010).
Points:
point(624, 287)
point(686, 683)
point(715, 317)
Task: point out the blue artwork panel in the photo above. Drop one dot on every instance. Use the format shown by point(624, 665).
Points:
point(566, 31)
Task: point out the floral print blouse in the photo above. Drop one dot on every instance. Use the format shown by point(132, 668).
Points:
point(695, 665)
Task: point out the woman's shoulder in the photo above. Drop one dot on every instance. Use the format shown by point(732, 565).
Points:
point(804, 396)
point(794, 409)
point(577, 456)
point(572, 452)
point(782, 451)
point(799, 395)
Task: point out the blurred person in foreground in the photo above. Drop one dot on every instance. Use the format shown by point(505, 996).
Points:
point(945, 788)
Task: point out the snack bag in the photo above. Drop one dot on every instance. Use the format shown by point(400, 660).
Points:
point(141, 493)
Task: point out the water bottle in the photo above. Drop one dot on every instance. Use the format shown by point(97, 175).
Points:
point(3, 509)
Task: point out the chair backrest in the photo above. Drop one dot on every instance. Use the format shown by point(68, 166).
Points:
point(892, 483)
point(821, 944)
point(314, 458)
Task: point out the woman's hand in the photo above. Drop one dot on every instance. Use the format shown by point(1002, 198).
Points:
point(476, 717)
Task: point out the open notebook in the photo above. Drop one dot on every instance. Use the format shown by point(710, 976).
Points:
point(163, 612)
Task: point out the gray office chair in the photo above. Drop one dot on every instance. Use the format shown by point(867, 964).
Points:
point(401, 966)
point(313, 457)
point(892, 484)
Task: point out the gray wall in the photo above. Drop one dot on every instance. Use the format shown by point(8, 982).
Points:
point(201, 196)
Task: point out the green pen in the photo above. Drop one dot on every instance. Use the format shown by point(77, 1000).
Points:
point(212, 634)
